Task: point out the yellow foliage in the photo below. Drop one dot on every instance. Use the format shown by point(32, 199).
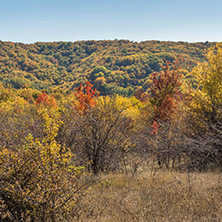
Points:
point(39, 177)
point(208, 79)
point(15, 105)
point(130, 107)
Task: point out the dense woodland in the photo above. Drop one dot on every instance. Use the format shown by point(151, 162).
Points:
point(114, 67)
point(63, 124)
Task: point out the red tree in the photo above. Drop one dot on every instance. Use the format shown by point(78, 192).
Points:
point(165, 91)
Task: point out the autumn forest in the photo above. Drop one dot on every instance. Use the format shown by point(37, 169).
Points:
point(110, 131)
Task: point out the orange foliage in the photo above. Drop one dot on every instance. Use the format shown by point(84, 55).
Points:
point(45, 100)
point(155, 127)
point(86, 96)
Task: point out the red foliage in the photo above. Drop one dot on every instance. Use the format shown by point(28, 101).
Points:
point(140, 95)
point(165, 91)
point(86, 96)
point(166, 109)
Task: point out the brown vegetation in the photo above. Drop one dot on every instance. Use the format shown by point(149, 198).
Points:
point(164, 196)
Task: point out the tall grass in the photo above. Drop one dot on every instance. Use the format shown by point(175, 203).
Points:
point(165, 196)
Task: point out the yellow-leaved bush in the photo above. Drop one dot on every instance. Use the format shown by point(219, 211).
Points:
point(39, 181)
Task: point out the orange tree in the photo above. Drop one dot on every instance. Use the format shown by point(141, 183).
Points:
point(85, 96)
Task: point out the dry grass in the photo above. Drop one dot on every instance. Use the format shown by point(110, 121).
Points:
point(167, 196)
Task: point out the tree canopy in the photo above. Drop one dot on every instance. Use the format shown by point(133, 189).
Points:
point(114, 67)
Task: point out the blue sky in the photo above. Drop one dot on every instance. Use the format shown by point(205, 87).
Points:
point(138, 20)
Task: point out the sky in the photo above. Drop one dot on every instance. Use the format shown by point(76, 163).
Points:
point(32, 21)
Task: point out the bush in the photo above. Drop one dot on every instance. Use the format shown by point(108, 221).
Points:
point(38, 179)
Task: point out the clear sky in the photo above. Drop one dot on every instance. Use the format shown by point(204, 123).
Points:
point(138, 20)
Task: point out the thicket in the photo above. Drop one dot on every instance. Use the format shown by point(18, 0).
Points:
point(51, 143)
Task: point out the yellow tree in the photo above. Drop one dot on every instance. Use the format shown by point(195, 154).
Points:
point(39, 181)
point(205, 119)
point(208, 94)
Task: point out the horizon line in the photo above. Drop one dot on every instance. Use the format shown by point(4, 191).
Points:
point(121, 39)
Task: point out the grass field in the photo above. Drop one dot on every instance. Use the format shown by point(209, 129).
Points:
point(163, 196)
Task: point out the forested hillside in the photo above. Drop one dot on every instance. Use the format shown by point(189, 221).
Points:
point(114, 67)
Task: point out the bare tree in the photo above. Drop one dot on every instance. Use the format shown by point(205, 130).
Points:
point(98, 137)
